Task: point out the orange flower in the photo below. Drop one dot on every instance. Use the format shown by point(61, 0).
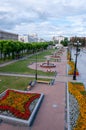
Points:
point(18, 103)
point(71, 70)
point(75, 89)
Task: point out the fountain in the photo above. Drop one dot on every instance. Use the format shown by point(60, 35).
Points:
point(47, 64)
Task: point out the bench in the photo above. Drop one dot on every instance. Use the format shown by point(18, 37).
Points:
point(31, 84)
point(42, 81)
point(52, 82)
point(28, 87)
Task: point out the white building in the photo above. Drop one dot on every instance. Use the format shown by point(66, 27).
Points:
point(33, 38)
point(41, 40)
point(28, 38)
point(58, 39)
point(23, 38)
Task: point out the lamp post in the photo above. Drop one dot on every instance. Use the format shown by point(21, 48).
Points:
point(77, 53)
point(36, 67)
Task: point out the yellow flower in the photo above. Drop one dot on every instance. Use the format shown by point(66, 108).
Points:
point(75, 89)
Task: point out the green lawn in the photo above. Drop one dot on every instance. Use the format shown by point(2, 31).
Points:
point(22, 66)
point(4, 61)
point(19, 83)
point(13, 82)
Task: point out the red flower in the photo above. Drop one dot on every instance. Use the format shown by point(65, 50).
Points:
point(77, 73)
point(30, 97)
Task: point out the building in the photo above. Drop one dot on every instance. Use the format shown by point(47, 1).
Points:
point(23, 38)
point(8, 36)
point(41, 40)
point(28, 38)
point(33, 38)
point(58, 39)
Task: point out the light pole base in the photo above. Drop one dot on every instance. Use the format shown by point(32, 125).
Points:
point(36, 76)
point(74, 77)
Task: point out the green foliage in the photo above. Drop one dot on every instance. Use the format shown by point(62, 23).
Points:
point(18, 49)
point(83, 93)
point(50, 42)
point(65, 42)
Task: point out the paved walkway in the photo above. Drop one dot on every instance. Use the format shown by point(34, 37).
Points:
point(60, 78)
point(51, 115)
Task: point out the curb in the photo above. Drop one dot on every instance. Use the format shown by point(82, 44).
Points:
point(33, 115)
point(68, 114)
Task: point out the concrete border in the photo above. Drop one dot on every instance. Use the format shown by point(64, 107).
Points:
point(21, 121)
point(32, 117)
point(68, 114)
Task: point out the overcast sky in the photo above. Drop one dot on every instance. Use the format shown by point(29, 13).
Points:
point(47, 18)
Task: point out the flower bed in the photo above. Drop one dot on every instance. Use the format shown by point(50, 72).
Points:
point(68, 55)
point(78, 91)
point(18, 104)
point(71, 70)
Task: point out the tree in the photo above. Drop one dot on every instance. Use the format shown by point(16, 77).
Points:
point(65, 42)
point(1, 48)
point(15, 49)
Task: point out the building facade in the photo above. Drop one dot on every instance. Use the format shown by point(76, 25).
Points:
point(8, 36)
point(23, 38)
point(28, 38)
point(58, 39)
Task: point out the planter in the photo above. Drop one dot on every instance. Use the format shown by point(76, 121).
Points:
point(18, 106)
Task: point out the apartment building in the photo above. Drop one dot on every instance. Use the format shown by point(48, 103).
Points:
point(28, 38)
point(8, 36)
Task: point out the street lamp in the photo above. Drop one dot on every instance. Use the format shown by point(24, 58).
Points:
point(77, 53)
point(36, 68)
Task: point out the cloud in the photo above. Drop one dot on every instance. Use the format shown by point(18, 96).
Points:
point(47, 18)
